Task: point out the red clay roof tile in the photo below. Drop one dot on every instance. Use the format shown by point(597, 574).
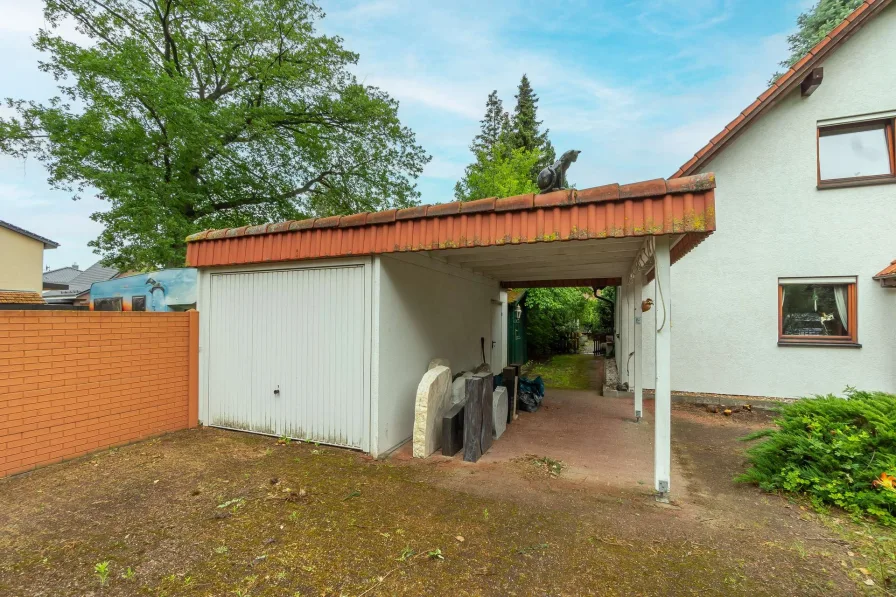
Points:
point(649, 207)
point(480, 205)
point(20, 297)
point(279, 227)
point(768, 92)
point(330, 222)
point(554, 198)
point(648, 188)
point(608, 192)
point(515, 203)
point(887, 272)
point(411, 213)
point(719, 137)
point(353, 220)
point(302, 224)
point(381, 217)
point(443, 209)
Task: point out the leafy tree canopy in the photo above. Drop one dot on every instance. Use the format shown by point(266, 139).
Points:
point(813, 25)
point(556, 313)
point(498, 172)
point(193, 114)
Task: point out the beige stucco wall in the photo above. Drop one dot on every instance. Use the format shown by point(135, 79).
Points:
point(21, 262)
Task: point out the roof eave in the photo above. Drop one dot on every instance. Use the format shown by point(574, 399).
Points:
point(48, 244)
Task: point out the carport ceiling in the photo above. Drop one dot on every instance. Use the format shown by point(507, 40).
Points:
point(609, 258)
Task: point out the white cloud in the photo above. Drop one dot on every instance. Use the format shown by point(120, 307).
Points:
point(683, 18)
point(432, 93)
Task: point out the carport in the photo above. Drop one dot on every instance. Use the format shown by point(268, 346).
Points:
point(409, 285)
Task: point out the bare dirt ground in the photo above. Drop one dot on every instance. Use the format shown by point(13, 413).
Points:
point(210, 512)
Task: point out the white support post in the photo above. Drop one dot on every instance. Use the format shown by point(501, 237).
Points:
point(622, 332)
point(637, 365)
point(663, 403)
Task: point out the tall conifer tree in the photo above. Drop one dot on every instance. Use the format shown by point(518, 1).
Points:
point(525, 128)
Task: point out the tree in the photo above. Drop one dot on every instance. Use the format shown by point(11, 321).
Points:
point(813, 25)
point(525, 127)
point(493, 126)
point(600, 310)
point(193, 114)
point(552, 315)
point(510, 152)
point(499, 172)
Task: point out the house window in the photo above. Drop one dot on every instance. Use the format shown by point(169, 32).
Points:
point(107, 304)
point(138, 303)
point(856, 154)
point(817, 311)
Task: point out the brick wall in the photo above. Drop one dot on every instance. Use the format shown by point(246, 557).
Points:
point(75, 382)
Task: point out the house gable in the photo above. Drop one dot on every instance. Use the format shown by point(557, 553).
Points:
point(796, 77)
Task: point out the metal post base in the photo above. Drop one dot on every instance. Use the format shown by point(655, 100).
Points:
point(637, 416)
point(662, 495)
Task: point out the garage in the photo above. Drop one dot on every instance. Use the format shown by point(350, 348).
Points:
point(321, 329)
point(284, 356)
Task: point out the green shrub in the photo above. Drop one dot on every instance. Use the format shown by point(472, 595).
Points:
point(836, 451)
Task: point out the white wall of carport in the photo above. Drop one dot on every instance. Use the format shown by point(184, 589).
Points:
point(773, 222)
point(424, 309)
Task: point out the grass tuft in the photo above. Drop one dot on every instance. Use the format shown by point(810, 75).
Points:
point(564, 372)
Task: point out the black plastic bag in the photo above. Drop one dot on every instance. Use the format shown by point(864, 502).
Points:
point(529, 402)
point(531, 394)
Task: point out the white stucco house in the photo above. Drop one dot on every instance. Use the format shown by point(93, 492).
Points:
point(790, 297)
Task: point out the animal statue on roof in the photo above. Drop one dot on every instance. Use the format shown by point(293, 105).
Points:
point(553, 178)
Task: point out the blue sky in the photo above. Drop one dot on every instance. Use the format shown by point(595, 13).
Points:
point(638, 87)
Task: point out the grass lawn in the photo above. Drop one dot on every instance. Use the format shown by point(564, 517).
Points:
point(564, 372)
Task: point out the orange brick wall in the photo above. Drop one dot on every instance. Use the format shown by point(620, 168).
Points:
point(72, 382)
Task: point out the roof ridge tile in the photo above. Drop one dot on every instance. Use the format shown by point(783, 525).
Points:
point(565, 197)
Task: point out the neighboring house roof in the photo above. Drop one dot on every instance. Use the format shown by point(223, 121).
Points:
point(82, 282)
point(654, 207)
point(20, 297)
point(61, 275)
point(887, 272)
point(785, 84)
point(48, 244)
point(515, 294)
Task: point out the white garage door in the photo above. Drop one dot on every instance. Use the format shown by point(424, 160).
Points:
point(287, 354)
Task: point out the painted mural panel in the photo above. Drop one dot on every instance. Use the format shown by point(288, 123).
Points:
point(166, 290)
